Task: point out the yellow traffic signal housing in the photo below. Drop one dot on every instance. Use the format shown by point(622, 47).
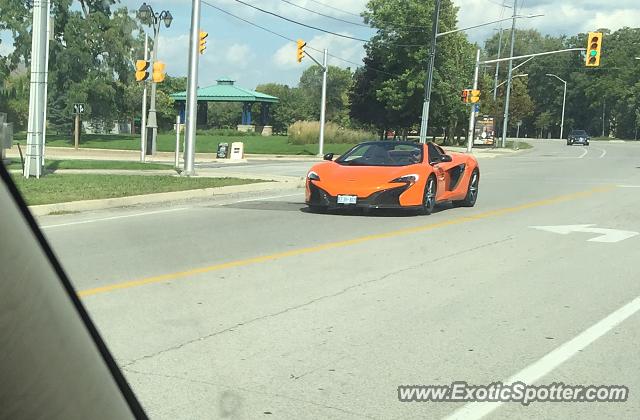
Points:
point(300, 53)
point(474, 96)
point(141, 70)
point(158, 72)
point(594, 45)
point(203, 41)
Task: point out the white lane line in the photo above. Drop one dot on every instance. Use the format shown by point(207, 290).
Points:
point(604, 153)
point(629, 186)
point(552, 360)
point(124, 216)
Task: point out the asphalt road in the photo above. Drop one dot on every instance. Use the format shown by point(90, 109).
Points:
point(258, 309)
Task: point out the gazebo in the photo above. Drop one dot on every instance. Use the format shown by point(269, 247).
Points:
point(225, 90)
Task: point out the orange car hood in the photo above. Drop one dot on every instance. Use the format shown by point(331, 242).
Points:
point(360, 180)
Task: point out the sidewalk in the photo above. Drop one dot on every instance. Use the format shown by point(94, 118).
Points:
point(160, 157)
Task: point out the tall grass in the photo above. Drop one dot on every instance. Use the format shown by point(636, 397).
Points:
point(308, 132)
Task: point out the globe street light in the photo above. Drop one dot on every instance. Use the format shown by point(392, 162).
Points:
point(149, 17)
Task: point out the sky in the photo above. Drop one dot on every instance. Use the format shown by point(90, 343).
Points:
point(252, 56)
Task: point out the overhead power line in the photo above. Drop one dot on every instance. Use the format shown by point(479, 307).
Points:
point(293, 40)
point(301, 24)
point(328, 16)
point(335, 8)
point(321, 29)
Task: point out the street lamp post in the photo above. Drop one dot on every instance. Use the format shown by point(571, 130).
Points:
point(146, 14)
point(564, 99)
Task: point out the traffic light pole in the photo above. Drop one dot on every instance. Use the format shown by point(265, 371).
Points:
point(192, 91)
point(323, 104)
point(472, 115)
point(143, 121)
point(424, 124)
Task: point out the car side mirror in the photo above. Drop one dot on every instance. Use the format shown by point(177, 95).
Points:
point(328, 156)
point(446, 158)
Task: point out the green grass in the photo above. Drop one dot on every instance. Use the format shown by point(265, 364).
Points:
point(59, 188)
point(205, 143)
point(53, 165)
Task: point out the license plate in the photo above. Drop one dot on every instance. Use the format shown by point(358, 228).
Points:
point(347, 199)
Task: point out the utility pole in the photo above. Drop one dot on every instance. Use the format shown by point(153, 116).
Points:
point(472, 116)
point(37, 93)
point(428, 82)
point(46, 79)
point(505, 120)
point(143, 121)
point(495, 82)
point(192, 90)
point(323, 104)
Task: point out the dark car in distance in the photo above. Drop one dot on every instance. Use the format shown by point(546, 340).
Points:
point(578, 137)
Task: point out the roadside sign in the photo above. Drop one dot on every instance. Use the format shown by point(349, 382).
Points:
point(78, 108)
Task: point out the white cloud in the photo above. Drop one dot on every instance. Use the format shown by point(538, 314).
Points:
point(560, 17)
point(239, 55)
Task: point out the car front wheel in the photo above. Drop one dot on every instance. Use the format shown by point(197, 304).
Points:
point(429, 197)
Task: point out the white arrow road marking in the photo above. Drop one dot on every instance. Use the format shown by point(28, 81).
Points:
point(606, 235)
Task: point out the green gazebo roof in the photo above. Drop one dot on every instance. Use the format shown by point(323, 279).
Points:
point(226, 91)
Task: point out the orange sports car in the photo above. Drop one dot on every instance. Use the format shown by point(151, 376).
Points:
point(393, 174)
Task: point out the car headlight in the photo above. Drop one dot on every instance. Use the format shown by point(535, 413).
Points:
point(407, 179)
point(313, 176)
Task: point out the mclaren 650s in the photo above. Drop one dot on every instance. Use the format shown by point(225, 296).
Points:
point(393, 174)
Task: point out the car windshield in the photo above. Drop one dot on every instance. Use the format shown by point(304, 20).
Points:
point(579, 133)
point(382, 154)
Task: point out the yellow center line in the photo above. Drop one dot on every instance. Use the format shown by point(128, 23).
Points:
point(341, 244)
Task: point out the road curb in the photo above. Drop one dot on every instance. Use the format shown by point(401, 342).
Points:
point(107, 203)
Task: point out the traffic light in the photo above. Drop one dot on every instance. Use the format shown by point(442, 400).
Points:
point(594, 45)
point(465, 96)
point(141, 70)
point(203, 41)
point(300, 54)
point(158, 72)
point(474, 96)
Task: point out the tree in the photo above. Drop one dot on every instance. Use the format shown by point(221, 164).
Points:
point(388, 92)
point(91, 56)
point(338, 84)
point(290, 108)
point(543, 121)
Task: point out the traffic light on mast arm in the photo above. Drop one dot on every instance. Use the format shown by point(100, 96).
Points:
point(594, 45)
point(158, 72)
point(300, 53)
point(203, 41)
point(141, 70)
point(470, 96)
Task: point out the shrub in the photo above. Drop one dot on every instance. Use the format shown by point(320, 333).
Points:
point(308, 132)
